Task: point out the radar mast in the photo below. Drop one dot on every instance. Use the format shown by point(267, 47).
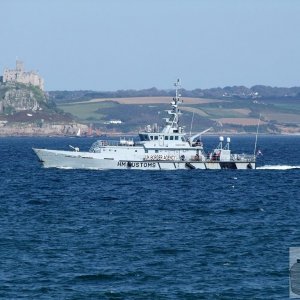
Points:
point(173, 122)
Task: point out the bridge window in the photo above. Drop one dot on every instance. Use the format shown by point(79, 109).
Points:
point(144, 137)
point(156, 137)
point(151, 137)
point(166, 137)
point(171, 137)
point(176, 137)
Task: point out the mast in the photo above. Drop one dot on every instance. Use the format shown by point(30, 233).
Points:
point(173, 121)
point(254, 154)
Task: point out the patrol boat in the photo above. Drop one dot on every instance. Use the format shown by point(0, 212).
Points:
point(168, 149)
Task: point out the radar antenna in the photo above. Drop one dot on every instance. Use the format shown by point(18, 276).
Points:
point(173, 122)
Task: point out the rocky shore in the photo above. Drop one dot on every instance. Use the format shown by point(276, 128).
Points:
point(27, 129)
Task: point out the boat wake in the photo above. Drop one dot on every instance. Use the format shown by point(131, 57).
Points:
point(277, 167)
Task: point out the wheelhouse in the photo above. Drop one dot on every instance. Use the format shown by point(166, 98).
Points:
point(144, 137)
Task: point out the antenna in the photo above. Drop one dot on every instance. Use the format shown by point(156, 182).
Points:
point(175, 111)
point(256, 136)
point(192, 123)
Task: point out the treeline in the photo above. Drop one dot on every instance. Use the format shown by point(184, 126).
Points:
point(234, 92)
point(72, 96)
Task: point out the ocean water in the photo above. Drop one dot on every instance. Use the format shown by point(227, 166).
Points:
point(78, 234)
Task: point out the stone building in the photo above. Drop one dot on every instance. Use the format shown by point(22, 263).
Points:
point(19, 75)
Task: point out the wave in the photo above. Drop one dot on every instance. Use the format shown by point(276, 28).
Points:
point(96, 277)
point(277, 167)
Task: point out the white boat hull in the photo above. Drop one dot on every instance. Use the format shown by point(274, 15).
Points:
point(95, 161)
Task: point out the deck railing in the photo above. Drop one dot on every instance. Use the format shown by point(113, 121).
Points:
point(233, 158)
point(243, 157)
point(104, 143)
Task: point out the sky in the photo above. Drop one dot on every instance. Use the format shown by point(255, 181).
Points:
point(107, 45)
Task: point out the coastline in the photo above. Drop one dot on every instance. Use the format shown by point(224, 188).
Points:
point(46, 129)
point(130, 134)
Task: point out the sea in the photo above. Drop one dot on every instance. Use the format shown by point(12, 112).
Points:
point(185, 234)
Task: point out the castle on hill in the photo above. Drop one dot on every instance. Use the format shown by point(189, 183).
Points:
point(19, 75)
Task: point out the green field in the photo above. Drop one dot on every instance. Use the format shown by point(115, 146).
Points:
point(295, 107)
point(216, 113)
point(224, 115)
point(87, 111)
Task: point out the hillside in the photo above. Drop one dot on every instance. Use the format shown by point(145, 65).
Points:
point(27, 110)
point(230, 115)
